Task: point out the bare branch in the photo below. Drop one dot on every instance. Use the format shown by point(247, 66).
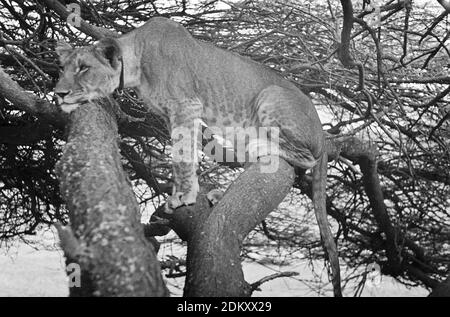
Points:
point(255, 286)
point(94, 31)
point(344, 47)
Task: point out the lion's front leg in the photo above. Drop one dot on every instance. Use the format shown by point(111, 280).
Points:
point(186, 186)
point(186, 138)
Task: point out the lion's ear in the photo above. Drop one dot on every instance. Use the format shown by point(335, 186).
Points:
point(110, 50)
point(63, 49)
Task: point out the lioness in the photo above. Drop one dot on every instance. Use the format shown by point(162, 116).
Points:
point(185, 80)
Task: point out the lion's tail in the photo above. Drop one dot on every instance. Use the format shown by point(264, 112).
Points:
point(319, 184)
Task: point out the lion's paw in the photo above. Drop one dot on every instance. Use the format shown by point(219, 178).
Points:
point(179, 199)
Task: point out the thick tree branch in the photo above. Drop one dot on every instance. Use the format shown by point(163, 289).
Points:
point(28, 102)
point(374, 192)
point(116, 259)
point(366, 156)
point(215, 236)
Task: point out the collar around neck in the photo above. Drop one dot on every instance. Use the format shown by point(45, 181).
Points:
point(121, 83)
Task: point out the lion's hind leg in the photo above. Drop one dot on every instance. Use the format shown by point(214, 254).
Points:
point(301, 143)
point(299, 138)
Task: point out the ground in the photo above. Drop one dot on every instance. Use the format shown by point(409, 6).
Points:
point(27, 271)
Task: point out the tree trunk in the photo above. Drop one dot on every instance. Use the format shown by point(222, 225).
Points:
point(107, 238)
point(215, 236)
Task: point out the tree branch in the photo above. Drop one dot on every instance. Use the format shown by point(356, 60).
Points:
point(28, 102)
point(215, 236)
point(344, 47)
point(94, 31)
point(255, 286)
point(104, 215)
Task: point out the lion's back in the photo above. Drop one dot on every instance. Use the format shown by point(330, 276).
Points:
point(208, 63)
point(184, 67)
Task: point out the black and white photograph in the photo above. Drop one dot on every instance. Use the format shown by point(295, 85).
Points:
point(241, 151)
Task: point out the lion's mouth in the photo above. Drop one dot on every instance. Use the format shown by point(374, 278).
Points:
point(69, 107)
point(82, 102)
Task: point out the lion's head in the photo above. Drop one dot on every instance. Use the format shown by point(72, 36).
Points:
point(89, 72)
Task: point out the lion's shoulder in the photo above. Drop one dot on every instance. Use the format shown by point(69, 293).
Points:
point(160, 26)
point(162, 22)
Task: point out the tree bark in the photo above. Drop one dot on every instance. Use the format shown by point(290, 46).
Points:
point(215, 236)
point(107, 238)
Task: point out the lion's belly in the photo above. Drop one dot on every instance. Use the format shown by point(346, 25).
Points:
point(223, 120)
point(234, 112)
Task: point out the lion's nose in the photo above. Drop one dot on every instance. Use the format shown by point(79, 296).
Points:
point(62, 94)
